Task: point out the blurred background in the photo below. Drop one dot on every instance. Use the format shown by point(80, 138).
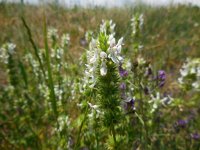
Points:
point(110, 3)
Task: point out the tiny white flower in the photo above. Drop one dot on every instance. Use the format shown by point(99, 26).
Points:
point(113, 56)
point(120, 41)
point(195, 85)
point(94, 58)
point(52, 33)
point(103, 55)
point(92, 44)
point(111, 40)
point(184, 72)
point(103, 69)
point(193, 70)
point(65, 39)
point(118, 49)
point(11, 48)
point(112, 28)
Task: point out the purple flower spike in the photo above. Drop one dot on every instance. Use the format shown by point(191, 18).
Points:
point(182, 123)
point(195, 136)
point(122, 72)
point(131, 103)
point(161, 75)
point(161, 78)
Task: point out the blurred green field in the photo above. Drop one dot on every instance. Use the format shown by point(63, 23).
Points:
point(166, 28)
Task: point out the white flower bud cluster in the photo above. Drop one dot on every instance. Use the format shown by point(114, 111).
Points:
point(107, 26)
point(97, 58)
point(6, 50)
point(34, 64)
point(65, 39)
point(88, 36)
point(63, 122)
point(52, 33)
point(157, 101)
point(190, 73)
point(137, 21)
point(94, 110)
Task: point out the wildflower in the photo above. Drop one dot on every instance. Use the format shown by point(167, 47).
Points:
point(158, 100)
point(190, 74)
point(137, 23)
point(88, 36)
point(161, 78)
point(65, 40)
point(140, 61)
point(128, 65)
point(161, 75)
point(182, 123)
point(6, 50)
point(122, 72)
point(11, 47)
point(63, 122)
point(115, 50)
point(167, 99)
point(52, 33)
point(107, 27)
point(103, 70)
point(123, 86)
point(130, 103)
point(195, 136)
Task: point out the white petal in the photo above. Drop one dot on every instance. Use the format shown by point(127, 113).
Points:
point(119, 48)
point(93, 43)
point(94, 57)
point(120, 41)
point(103, 70)
point(114, 58)
point(120, 58)
point(103, 55)
point(111, 40)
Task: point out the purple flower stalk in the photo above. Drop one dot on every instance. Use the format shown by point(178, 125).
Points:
point(123, 90)
point(131, 104)
point(182, 123)
point(161, 78)
point(161, 75)
point(122, 72)
point(195, 136)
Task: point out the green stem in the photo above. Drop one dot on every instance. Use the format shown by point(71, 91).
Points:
point(33, 44)
point(80, 129)
point(114, 135)
point(50, 78)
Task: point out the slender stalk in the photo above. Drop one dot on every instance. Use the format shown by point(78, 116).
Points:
point(114, 135)
point(33, 45)
point(50, 78)
point(80, 129)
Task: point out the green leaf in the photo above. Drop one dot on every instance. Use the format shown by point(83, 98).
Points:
point(140, 118)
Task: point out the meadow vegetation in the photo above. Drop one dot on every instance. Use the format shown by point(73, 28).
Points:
point(98, 78)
